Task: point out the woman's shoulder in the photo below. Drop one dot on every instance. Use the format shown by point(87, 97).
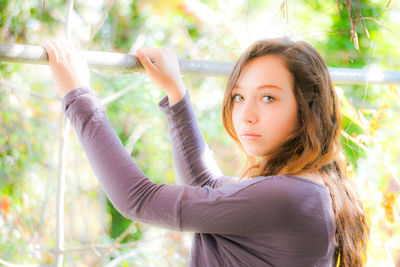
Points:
point(277, 187)
point(313, 179)
point(292, 194)
point(284, 179)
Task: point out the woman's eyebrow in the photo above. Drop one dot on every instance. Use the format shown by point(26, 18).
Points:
point(237, 86)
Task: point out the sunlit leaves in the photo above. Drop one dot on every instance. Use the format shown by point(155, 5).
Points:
point(395, 91)
point(389, 200)
point(29, 128)
point(161, 7)
point(346, 108)
point(47, 257)
point(5, 204)
point(377, 118)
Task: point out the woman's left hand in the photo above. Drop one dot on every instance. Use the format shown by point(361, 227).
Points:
point(68, 66)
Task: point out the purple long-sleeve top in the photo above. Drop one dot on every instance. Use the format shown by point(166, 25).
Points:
point(280, 220)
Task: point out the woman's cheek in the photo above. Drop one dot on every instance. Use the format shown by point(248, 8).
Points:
point(278, 122)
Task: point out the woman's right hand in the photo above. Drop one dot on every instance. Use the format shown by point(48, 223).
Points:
point(162, 66)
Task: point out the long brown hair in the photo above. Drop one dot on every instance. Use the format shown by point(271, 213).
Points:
point(315, 145)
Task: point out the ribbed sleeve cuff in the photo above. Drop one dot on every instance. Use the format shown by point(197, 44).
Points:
point(80, 100)
point(182, 108)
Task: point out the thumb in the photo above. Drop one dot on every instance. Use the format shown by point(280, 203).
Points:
point(144, 60)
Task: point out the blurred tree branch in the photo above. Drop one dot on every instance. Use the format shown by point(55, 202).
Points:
point(357, 19)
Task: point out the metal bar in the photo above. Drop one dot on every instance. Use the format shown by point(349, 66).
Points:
point(128, 62)
point(60, 227)
point(362, 76)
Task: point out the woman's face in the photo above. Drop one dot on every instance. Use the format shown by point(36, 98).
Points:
point(264, 106)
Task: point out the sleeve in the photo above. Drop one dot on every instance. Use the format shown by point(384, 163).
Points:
point(193, 160)
point(230, 209)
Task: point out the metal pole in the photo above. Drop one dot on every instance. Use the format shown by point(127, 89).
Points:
point(60, 231)
point(128, 62)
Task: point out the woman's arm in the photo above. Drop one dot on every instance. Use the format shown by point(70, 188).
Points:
point(194, 161)
point(239, 209)
point(246, 208)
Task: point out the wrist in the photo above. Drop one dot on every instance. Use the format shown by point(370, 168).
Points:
point(176, 94)
point(72, 88)
point(175, 88)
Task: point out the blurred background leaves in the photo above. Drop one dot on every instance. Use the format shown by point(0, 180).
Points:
point(30, 115)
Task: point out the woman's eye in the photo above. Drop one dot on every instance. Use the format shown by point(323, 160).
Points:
point(236, 97)
point(268, 98)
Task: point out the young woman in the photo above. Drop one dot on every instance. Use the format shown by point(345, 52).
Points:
point(292, 206)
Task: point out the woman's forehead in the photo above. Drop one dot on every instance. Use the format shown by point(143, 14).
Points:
point(265, 70)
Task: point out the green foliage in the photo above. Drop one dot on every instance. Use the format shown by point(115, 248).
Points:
point(119, 225)
point(30, 124)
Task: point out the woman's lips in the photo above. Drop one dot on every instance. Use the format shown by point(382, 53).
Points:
point(250, 136)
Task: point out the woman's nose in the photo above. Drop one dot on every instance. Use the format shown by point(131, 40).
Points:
point(249, 112)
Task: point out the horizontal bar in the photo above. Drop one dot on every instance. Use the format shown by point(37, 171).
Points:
point(108, 60)
point(127, 62)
